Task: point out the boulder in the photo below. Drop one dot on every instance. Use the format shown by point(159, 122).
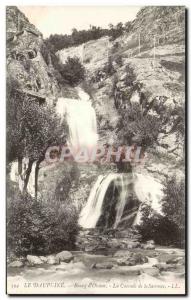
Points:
point(130, 273)
point(34, 260)
point(123, 253)
point(137, 259)
point(127, 258)
point(150, 242)
point(148, 247)
point(53, 260)
point(43, 258)
point(104, 265)
point(164, 267)
point(133, 245)
point(176, 260)
point(113, 243)
point(151, 271)
point(122, 262)
point(101, 247)
point(16, 264)
point(65, 256)
point(153, 254)
point(90, 248)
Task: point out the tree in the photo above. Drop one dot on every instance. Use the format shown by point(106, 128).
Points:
point(174, 202)
point(31, 129)
point(73, 72)
point(128, 26)
point(167, 228)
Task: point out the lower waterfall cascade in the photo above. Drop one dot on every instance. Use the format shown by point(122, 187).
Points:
point(146, 188)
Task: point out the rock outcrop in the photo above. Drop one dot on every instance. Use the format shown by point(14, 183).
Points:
point(25, 61)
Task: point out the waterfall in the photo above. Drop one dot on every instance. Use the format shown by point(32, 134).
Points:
point(146, 188)
point(31, 182)
point(121, 200)
point(19, 179)
point(91, 212)
point(81, 119)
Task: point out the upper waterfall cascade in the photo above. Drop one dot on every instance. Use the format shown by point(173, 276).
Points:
point(81, 120)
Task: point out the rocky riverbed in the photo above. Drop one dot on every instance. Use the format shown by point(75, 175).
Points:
point(95, 267)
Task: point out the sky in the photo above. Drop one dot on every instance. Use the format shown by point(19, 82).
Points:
point(61, 19)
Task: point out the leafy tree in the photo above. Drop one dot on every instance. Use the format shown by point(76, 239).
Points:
point(31, 129)
point(108, 68)
point(128, 27)
point(116, 31)
point(39, 228)
point(158, 228)
point(73, 72)
point(174, 202)
point(169, 228)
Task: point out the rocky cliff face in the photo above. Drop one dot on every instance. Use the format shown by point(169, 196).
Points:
point(25, 61)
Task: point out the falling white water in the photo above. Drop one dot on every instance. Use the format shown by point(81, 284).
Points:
point(19, 179)
point(150, 191)
point(31, 182)
point(92, 210)
point(147, 189)
point(81, 120)
point(14, 174)
point(123, 184)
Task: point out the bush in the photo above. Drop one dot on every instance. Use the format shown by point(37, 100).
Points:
point(39, 228)
point(174, 204)
point(130, 78)
point(158, 228)
point(169, 228)
point(73, 72)
point(108, 68)
point(119, 60)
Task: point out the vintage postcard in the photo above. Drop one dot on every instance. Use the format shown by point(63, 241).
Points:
point(96, 150)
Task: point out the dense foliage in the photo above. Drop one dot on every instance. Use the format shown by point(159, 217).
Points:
point(174, 202)
point(39, 227)
point(140, 116)
point(31, 127)
point(169, 228)
point(72, 71)
point(60, 41)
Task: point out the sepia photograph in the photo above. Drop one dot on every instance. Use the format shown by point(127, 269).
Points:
point(96, 150)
